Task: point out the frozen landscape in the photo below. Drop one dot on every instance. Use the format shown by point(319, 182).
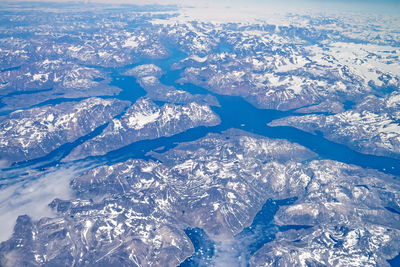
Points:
point(167, 134)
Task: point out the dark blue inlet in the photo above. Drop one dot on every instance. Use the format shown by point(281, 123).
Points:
point(131, 90)
point(246, 243)
point(204, 248)
point(262, 230)
point(395, 262)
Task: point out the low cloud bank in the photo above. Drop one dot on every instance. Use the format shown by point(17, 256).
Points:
point(32, 198)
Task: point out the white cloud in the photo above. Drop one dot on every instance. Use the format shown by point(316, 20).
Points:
point(32, 198)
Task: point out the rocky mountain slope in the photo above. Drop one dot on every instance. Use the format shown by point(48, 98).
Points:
point(33, 133)
point(145, 120)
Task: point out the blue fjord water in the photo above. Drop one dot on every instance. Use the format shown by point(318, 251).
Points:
point(234, 112)
point(245, 243)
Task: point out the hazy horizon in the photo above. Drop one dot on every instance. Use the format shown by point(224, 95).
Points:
point(357, 4)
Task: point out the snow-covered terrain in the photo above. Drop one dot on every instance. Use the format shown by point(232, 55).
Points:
point(350, 211)
point(148, 76)
point(373, 127)
point(136, 211)
point(33, 133)
point(145, 120)
point(199, 135)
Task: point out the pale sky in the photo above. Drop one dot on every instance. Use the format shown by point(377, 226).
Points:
point(372, 6)
point(359, 3)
